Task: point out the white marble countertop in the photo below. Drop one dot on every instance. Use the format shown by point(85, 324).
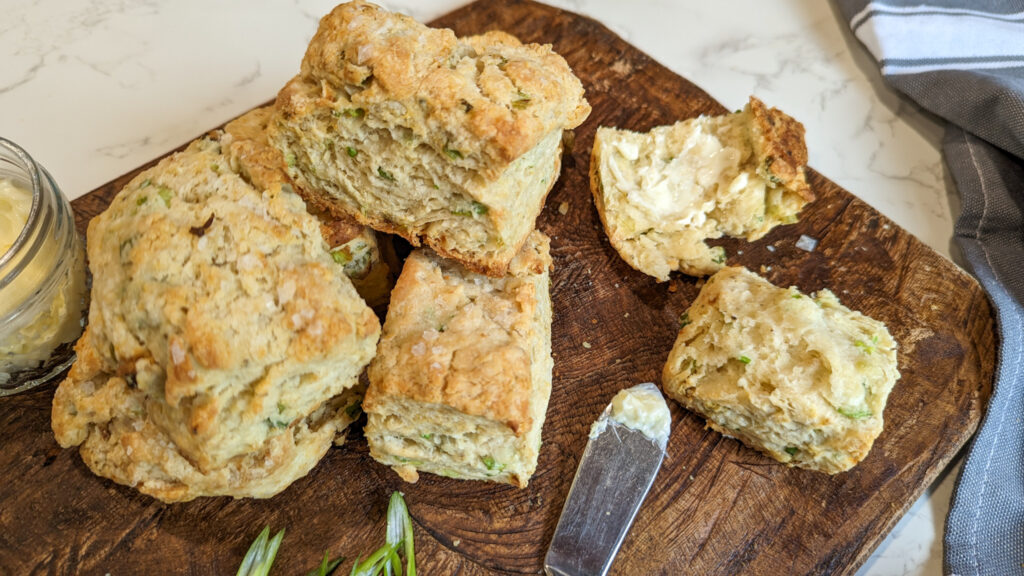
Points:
point(95, 88)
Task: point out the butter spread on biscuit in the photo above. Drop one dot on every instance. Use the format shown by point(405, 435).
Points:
point(664, 193)
point(671, 179)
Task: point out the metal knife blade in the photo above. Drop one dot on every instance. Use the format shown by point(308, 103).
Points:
point(618, 467)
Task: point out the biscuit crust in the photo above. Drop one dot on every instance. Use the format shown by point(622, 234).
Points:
point(449, 142)
point(780, 146)
point(454, 94)
point(220, 331)
point(464, 360)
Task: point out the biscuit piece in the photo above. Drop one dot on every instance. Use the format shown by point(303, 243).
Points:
point(461, 381)
point(224, 343)
point(452, 142)
point(352, 245)
point(661, 194)
point(802, 379)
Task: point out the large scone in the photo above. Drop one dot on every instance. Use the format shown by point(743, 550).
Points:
point(462, 377)
point(224, 344)
point(663, 193)
point(802, 379)
point(452, 142)
point(351, 244)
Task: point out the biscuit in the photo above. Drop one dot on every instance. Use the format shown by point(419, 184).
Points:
point(352, 245)
point(452, 142)
point(801, 378)
point(462, 377)
point(223, 344)
point(662, 194)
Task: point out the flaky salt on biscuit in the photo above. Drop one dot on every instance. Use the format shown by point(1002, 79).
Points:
point(224, 344)
point(662, 194)
point(449, 142)
point(801, 378)
point(461, 381)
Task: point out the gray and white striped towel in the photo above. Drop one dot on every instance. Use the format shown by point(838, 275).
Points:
point(964, 61)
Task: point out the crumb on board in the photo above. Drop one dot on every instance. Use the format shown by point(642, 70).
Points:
point(586, 345)
point(770, 248)
point(807, 243)
point(563, 208)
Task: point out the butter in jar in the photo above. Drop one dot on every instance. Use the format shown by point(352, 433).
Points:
point(42, 274)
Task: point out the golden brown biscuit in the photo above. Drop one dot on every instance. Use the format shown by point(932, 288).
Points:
point(445, 141)
point(461, 380)
point(223, 341)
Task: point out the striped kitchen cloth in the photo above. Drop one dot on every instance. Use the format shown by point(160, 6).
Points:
point(964, 61)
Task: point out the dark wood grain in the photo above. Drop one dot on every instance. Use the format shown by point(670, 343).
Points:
point(716, 507)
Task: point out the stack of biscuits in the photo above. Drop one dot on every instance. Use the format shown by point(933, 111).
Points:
point(453, 143)
point(229, 323)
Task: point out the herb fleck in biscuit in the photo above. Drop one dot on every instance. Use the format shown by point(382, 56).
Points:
point(452, 142)
point(663, 193)
point(224, 344)
point(802, 379)
point(461, 381)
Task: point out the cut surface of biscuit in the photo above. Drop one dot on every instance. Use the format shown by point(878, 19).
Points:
point(354, 246)
point(461, 381)
point(223, 341)
point(801, 378)
point(663, 193)
point(452, 142)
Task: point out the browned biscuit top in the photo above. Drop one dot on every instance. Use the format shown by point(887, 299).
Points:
point(488, 97)
point(460, 339)
point(779, 141)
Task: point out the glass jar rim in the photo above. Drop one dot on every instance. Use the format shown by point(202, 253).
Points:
point(32, 168)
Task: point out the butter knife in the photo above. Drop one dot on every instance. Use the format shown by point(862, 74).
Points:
point(623, 456)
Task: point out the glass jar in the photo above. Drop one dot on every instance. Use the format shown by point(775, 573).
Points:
point(42, 276)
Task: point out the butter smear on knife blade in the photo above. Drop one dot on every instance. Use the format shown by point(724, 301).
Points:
point(641, 408)
point(623, 455)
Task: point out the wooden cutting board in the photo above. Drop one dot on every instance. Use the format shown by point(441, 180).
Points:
point(716, 508)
